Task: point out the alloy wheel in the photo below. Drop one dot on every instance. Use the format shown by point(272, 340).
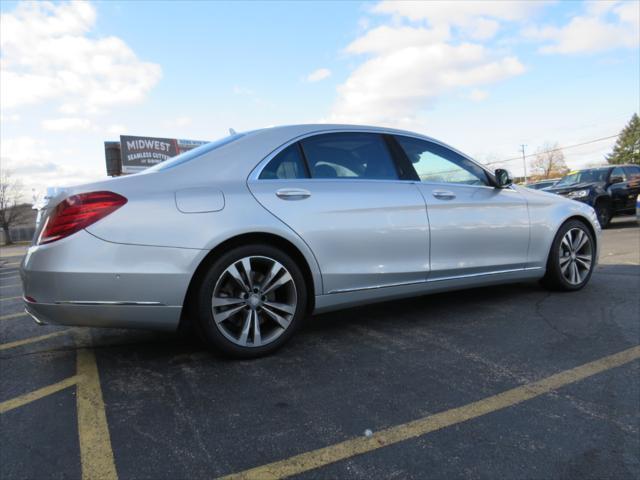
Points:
point(254, 301)
point(576, 256)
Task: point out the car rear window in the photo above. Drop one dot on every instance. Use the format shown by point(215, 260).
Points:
point(195, 153)
point(287, 164)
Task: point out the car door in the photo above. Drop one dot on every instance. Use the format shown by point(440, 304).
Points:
point(633, 185)
point(619, 189)
point(341, 193)
point(475, 228)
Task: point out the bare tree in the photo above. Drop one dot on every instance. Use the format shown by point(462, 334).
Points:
point(549, 161)
point(10, 193)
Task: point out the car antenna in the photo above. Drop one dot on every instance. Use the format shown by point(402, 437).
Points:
point(232, 131)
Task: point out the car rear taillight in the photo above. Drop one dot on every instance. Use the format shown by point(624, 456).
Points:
point(77, 212)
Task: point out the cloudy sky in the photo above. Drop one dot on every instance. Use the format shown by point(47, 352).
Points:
point(482, 76)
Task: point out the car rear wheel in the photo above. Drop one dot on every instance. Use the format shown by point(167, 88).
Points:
point(251, 301)
point(572, 257)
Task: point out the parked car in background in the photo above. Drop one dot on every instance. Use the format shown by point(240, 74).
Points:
point(543, 184)
point(610, 190)
point(246, 236)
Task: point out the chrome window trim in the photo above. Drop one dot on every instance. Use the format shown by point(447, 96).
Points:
point(398, 180)
point(257, 170)
point(336, 180)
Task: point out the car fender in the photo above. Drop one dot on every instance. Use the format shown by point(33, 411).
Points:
point(137, 224)
point(547, 213)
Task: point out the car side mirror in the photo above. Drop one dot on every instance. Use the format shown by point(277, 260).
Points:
point(613, 180)
point(503, 178)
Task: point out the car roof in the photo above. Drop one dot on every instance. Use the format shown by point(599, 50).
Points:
point(305, 128)
point(297, 131)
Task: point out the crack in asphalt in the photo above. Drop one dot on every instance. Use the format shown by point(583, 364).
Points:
point(539, 313)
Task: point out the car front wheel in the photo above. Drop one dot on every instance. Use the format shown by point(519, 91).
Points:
point(572, 257)
point(251, 301)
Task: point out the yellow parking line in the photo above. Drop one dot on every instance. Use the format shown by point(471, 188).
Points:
point(9, 257)
point(340, 451)
point(13, 315)
point(12, 285)
point(6, 299)
point(96, 454)
point(37, 394)
point(27, 341)
point(12, 264)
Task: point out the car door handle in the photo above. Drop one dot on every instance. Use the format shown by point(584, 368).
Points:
point(293, 193)
point(444, 194)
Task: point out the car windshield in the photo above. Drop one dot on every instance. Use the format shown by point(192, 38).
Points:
point(584, 176)
point(540, 185)
point(194, 153)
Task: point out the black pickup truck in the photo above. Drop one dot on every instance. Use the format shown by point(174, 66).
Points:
point(609, 190)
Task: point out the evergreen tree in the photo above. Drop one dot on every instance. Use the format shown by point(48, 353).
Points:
point(627, 147)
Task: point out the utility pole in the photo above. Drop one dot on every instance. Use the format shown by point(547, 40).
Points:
point(524, 163)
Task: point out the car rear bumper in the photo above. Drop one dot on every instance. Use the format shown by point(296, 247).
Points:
point(82, 280)
point(108, 315)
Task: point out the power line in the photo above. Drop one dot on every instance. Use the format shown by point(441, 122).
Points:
point(553, 150)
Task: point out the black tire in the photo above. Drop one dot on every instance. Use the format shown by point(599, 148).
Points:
point(604, 213)
point(554, 278)
point(211, 333)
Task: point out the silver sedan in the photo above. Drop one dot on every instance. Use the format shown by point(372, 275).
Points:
point(243, 237)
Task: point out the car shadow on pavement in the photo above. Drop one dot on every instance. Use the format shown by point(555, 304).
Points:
point(424, 308)
point(439, 309)
point(620, 223)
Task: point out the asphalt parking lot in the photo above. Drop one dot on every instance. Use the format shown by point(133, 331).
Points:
point(500, 382)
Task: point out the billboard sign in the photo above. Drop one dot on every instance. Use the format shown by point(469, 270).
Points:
point(138, 153)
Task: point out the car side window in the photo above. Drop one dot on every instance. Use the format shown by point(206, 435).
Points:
point(285, 165)
point(349, 155)
point(438, 164)
point(632, 172)
point(618, 172)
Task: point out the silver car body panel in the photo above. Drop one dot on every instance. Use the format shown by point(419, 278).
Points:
point(362, 240)
point(475, 229)
point(363, 232)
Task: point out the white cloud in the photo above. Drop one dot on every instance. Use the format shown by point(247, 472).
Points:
point(30, 160)
point(116, 129)
point(477, 95)
point(385, 39)
point(477, 19)
point(483, 29)
point(604, 26)
point(319, 74)
point(47, 55)
point(66, 124)
point(410, 65)
point(9, 118)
